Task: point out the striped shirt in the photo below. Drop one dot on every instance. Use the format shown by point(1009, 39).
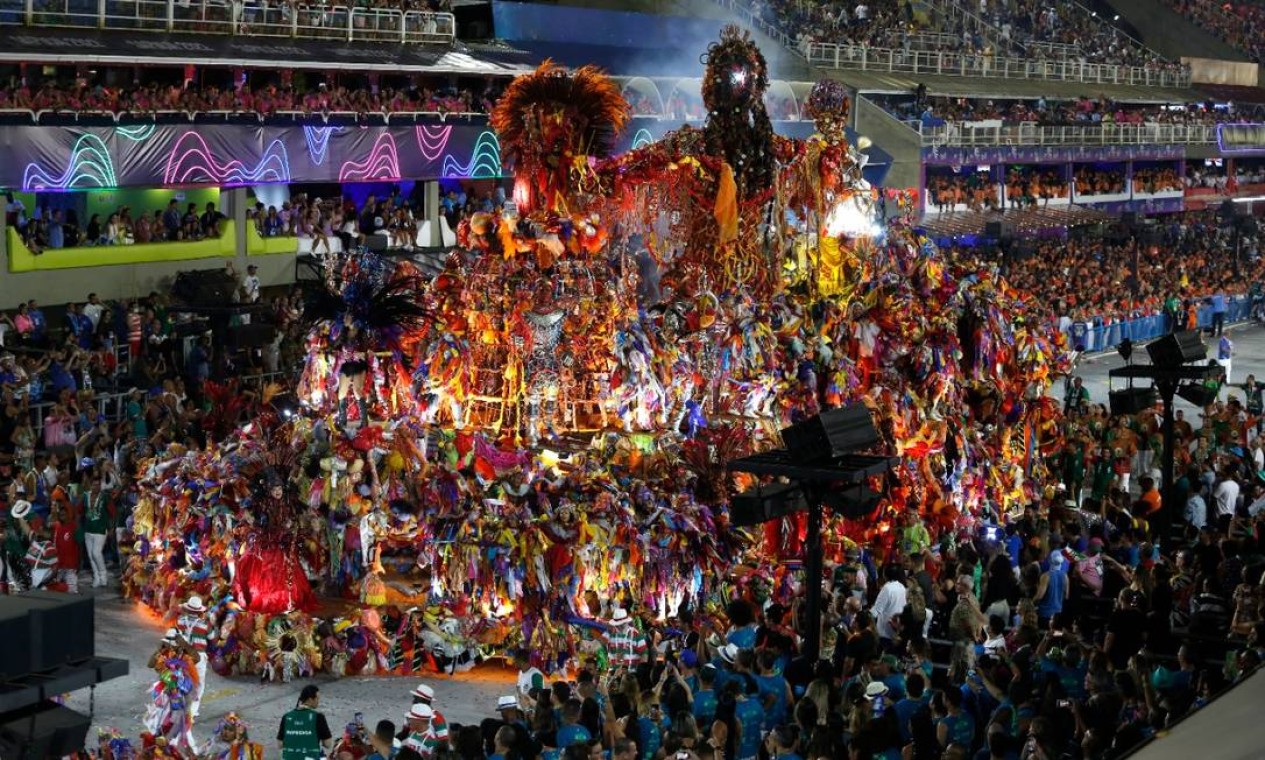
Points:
point(42, 555)
point(424, 743)
point(195, 631)
point(626, 646)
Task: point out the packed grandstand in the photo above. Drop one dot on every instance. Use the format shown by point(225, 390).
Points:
point(488, 344)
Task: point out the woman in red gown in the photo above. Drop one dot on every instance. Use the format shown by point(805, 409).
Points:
point(270, 577)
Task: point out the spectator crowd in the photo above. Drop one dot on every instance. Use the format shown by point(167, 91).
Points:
point(415, 96)
point(1189, 265)
point(936, 110)
point(1240, 24)
point(1022, 28)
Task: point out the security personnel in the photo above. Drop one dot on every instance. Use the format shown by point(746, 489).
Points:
point(304, 734)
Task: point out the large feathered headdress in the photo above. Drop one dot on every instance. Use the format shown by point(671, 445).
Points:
point(372, 304)
point(551, 121)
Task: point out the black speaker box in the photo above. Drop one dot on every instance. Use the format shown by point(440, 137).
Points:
point(42, 731)
point(853, 502)
point(1199, 395)
point(1131, 400)
point(1177, 349)
point(765, 503)
point(831, 434)
point(15, 632)
point(251, 336)
point(205, 287)
point(59, 629)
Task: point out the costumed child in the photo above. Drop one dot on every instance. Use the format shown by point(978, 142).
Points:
point(168, 715)
point(232, 741)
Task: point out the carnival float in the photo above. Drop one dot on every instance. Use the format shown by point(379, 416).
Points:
point(497, 457)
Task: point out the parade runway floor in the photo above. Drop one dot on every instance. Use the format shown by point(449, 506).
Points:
point(124, 629)
point(127, 630)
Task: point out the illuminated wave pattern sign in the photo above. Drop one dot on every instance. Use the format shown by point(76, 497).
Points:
point(224, 155)
point(318, 142)
point(484, 163)
point(382, 163)
point(193, 162)
point(206, 155)
point(87, 164)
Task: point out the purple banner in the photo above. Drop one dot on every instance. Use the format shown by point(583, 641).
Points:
point(1036, 154)
point(63, 158)
point(225, 155)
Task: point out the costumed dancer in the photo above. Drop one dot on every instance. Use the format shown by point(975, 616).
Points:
point(625, 643)
point(425, 695)
point(168, 716)
point(193, 627)
point(270, 577)
point(232, 741)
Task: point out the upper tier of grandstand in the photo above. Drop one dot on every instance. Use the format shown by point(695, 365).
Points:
point(399, 21)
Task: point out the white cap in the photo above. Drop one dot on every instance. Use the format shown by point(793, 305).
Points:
point(419, 711)
point(507, 703)
point(424, 692)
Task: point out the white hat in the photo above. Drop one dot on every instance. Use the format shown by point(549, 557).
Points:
point(875, 689)
point(507, 703)
point(170, 636)
point(729, 653)
point(620, 616)
point(419, 711)
point(424, 692)
point(194, 604)
point(21, 508)
point(715, 641)
point(1070, 503)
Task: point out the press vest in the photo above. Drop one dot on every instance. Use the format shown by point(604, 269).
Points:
point(301, 741)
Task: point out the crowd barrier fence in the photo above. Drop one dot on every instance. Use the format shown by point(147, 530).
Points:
point(1099, 334)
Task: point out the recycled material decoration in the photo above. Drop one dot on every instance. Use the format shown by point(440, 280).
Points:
point(497, 457)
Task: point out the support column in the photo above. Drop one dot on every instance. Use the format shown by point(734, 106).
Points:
point(4, 258)
point(233, 202)
point(812, 578)
point(431, 205)
point(1168, 493)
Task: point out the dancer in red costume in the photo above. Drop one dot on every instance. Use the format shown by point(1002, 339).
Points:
point(270, 577)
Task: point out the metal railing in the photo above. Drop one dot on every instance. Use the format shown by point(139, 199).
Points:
point(961, 19)
point(1098, 333)
point(743, 10)
point(250, 18)
point(966, 134)
point(864, 58)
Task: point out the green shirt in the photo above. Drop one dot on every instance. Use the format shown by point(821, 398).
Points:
point(300, 734)
point(96, 518)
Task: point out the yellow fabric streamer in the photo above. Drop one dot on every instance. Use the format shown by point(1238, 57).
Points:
point(726, 210)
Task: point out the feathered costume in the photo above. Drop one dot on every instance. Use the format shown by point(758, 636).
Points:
point(269, 573)
point(365, 312)
point(168, 714)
